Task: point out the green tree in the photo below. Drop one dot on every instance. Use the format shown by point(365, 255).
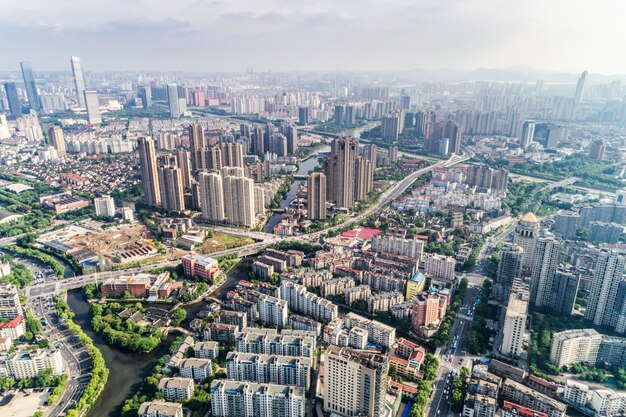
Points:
point(178, 316)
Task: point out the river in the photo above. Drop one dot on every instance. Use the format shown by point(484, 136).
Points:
point(127, 370)
point(303, 169)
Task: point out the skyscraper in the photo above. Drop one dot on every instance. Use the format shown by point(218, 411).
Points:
point(13, 98)
point(56, 140)
point(392, 126)
point(149, 172)
point(370, 152)
point(79, 81)
point(602, 306)
point(363, 178)
point(316, 196)
point(356, 382)
point(510, 265)
point(239, 201)
point(340, 172)
point(580, 87)
point(232, 154)
point(197, 145)
point(526, 234)
point(303, 116)
point(211, 196)
point(171, 188)
point(145, 93)
point(565, 287)
point(515, 323)
point(528, 132)
point(182, 161)
point(172, 98)
point(545, 263)
point(31, 87)
point(93, 107)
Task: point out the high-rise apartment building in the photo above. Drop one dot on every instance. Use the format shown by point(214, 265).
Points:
point(273, 311)
point(31, 87)
point(184, 164)
point(515, 323)
point(92, 104)
point(172, 99)
point(171, 188)
point(249, 399)
point(149, 172)
point(565, 287)
point(546, 261)
point(198, 146)
point(510, 264)
point(392, 126)
point(526, 235)
point(575, 346)
point(232, 155)
point(316, 196)
point(413, 248)
point(104, 206)
point(15, 107)
point(10, 306)
point(239, 201)
point(603, 306)
point(212, 196)
point(363, 178)
point(57, 141)
point(355, 382)
point(340, 167)
point(269, 369)
point(79, 81)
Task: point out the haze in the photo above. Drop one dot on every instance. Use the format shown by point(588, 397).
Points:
point(281, 35)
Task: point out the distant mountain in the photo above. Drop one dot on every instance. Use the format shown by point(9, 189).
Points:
point(519, 73)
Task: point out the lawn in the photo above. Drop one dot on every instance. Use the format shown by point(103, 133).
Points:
point(223, 241)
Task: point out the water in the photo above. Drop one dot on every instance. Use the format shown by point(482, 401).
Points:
point(126, 370)
point(303, 169)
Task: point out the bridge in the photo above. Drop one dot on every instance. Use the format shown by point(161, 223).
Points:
point(263, 239)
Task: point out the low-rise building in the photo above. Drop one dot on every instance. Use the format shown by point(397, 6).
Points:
point(575, 346)
point(298, 322)
point(160, 409)
point(606, 402)
point(515, 410)
point(28, 363)
point(220, 332)
point(195, 368)
point(201, 266)
point(520, 394)
point(206, 350)
point(14, 328)
point(176, 389)
point(576, 393)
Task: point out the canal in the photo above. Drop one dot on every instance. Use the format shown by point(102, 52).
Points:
point(127, 370)
point(303, 169)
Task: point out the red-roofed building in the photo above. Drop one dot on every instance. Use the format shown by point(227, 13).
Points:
point(407, 391)
point(361, 233)
point(13, 329)
point(515, 410)
point(403, 367)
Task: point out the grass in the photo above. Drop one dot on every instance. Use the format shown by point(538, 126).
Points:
point(223, 241)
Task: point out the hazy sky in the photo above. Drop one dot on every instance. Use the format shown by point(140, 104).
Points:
point(206, 35)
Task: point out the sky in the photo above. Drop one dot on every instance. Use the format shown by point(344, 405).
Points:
point(314, 35)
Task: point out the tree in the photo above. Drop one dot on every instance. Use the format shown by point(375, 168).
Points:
point(178, 316)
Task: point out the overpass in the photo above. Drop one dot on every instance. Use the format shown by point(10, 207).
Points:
point(263, 239)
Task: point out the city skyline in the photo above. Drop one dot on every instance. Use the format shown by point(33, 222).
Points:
point(400, 35)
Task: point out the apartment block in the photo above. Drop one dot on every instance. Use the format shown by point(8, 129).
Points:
point(176, 389)
point(195, 368)
point(269, 369)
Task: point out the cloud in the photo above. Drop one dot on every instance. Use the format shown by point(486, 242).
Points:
point(205, 35)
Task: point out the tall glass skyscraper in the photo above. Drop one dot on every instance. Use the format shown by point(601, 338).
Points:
point(31, 88)
point(172, 96)
point(13, 98)
point(79, 81)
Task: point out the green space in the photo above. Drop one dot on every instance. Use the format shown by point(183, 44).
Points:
point(478, 339)
point(217, 241)
point(444, 333)
point(20, 276)
point(124, 333)
point(39, 256)
point(421, 399)
point(430, 367)
point(459, 389)
point(99, 372)
point(199, 404)
point(523, 197)
point(307, 248)
point(331, 127)
point(44, 379)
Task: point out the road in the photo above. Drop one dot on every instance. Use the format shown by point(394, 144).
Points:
point(452, 358)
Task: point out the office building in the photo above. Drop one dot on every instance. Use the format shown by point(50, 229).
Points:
point(31, 87)
point(316, 196)
point(212, 196)
point(239, 201)
point(104, 206)
point(355, 382)
point(340, 176)
point(269, 369)
point(79, 81)
point(159, 408)
point(145, 94)
point(176, 389)
point(15, 107)
point(202, 266)
point(526, 235)
point(575, 346)
point(606, 306)
point(149, 171)
point(515, 323)
point(545, 263)
point(56, 140)
point(92, 104)
point(580, 87)
point(171, 187)
point(248, 399)
point(28, 363)
point(528, 133)
point(173, 101)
